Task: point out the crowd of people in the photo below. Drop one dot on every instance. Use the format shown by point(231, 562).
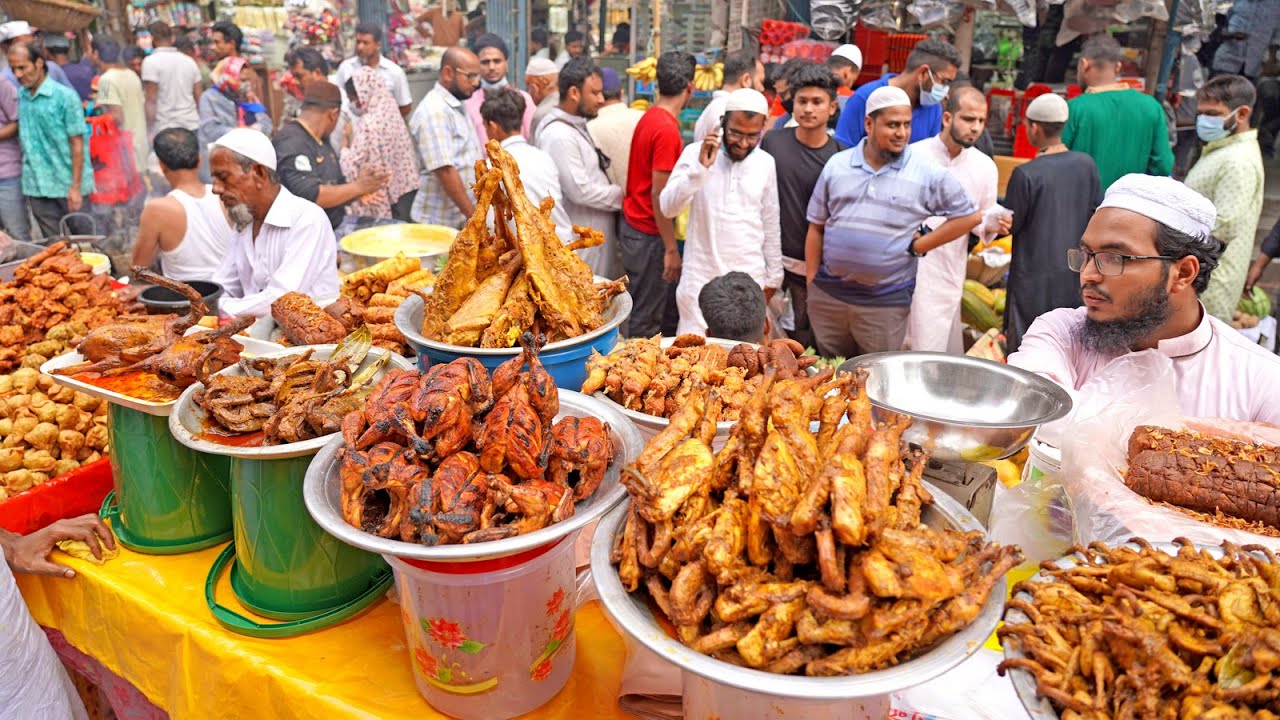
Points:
point(852, 207)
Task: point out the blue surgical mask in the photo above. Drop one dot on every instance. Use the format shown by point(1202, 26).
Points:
point(936, 94)
point(501, 83)
point(1212, 127)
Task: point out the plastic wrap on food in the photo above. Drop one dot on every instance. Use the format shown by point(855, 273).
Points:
point(832, 19)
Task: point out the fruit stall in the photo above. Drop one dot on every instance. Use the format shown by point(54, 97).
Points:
point(455, 490)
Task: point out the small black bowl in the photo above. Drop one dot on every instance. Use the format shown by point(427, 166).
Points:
point(161, 300)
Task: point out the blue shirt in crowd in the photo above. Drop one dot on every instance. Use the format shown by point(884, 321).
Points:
point(870, 217)
point(925, 121)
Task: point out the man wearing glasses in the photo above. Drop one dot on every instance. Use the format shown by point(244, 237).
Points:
point(447, 143)
point(1143, 260)
point(732, 195)
point(590, 199)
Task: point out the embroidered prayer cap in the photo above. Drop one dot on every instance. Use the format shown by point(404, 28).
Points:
point(1164, 200)
point(1048, 108)
point(251, 144)
point(747, 100)
point(540, 66)
point(887, 97)
point(849, 52)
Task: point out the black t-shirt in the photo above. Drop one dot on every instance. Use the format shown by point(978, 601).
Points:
point(304, 164)
point(798, 169)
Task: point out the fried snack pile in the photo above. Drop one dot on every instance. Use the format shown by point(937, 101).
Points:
point(1137, 633)
point(46, 430)
point(1225, 479)
point(495, 286)
point(53, 300)
point(643, 376)
point(370, 297)
point(452, 456)
point(363, 284)
point(290, 399)
point(795, 552)
point(157, 344)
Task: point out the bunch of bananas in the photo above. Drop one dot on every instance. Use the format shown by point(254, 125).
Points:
point(708, 77)
point(645, 71)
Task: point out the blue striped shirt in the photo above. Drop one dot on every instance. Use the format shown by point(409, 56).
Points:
point(870, 217)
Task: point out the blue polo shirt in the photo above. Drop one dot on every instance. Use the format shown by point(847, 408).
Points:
point(925, 121)
point(47, 120)
point(870, 217)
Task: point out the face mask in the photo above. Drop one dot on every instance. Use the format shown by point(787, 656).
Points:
point(1210, 127)
point(936, 94)
point(788, 105)
point(501, 83)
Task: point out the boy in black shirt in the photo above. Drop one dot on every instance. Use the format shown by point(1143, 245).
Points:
point(799, 153)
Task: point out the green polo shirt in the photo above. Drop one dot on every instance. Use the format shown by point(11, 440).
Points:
point(46, 119)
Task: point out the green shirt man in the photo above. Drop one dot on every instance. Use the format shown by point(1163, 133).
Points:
point(1122, 129)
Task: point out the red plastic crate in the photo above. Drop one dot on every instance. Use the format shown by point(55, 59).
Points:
point(77, 493)
point(900, 46)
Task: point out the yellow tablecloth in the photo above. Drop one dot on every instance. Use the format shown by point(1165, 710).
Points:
point(144, 617)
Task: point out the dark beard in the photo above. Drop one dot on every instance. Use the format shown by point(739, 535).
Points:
point(455, 91)
point(891, 155)
point(962, 143)
point(1152, 310)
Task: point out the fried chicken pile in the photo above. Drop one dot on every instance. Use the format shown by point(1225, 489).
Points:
point(290, 399)
point(496, 286)
point(52, 289)
point(1133, 632)
point(643, 376)
point(791, 551)
point(1218, 479)
point(454, 456)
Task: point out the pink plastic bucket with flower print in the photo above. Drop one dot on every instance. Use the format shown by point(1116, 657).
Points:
point(490, 639)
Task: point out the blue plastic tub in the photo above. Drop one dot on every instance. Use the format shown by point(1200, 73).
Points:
point(566, 360)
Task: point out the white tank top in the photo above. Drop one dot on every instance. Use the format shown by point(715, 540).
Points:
point(206, 240)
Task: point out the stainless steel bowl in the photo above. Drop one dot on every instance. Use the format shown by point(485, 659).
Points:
point(187, 420)
point(322, 491)
point(424, 242)
point(963, 408)
point(630, 612)
point(408, 319)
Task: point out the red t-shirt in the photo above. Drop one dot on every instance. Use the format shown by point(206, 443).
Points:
point(655, 147)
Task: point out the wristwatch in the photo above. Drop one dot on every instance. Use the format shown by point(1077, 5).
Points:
point(911, 248)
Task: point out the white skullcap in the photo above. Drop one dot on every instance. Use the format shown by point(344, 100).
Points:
point(13, 29)
point(747, 100)
point(251, 144)
point(849, 52)
point(1164, 200)
point(541, 66)
point(1048, 108)
point(886, 97)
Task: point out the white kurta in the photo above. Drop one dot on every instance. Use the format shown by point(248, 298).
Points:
point(589, 198)
point(934, 323)
point(294, 250)
point(34, 684)
point(733, 224)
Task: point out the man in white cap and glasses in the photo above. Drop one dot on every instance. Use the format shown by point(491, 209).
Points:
point(1052, 198)
point(1143, 260)
point(742, 69)
point(542, 80)
point(845, 63)
point(865, 232)
point(732, 194)
point(282, 243)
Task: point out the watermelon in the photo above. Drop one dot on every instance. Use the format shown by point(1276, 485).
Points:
point(1257, 304)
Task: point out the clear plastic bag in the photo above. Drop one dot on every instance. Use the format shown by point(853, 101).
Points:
point(831, 19)
point(1033, 515)
point(937, 13)
point(1095, 454)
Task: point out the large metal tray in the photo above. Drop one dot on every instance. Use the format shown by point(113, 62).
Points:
point(630, 612)
point(323, 494)
point(188, 420)
point(1024, 683)
point(252, 348)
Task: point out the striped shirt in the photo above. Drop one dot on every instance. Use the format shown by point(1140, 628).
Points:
point(445, 137)
point(870, 217)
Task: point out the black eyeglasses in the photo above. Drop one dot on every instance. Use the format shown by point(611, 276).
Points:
point(470, 76)
point(1109, 264)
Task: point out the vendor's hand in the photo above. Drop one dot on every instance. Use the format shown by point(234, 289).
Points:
point(1251, 278)
point(1004, 224)
point(75, 200)
point(30, 553)
point(671, 266)
point(769, 293)
point(372, 178)
point(710, 148)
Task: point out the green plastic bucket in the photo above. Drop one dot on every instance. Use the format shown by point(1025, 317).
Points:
point(285, 566)
point(168, 498)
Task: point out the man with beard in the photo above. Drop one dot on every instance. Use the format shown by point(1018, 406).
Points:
point(281, 244)
point(369, 52)
point(589, 198)
point(742, 69)
point(934, 323)
point(865, 233)
point(1143, 260)
point(732, 195)
point(447, 143)
point(492, 51)
point(931, 68)
point(542, 78)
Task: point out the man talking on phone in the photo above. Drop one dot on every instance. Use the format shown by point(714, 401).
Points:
point(731, 191)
